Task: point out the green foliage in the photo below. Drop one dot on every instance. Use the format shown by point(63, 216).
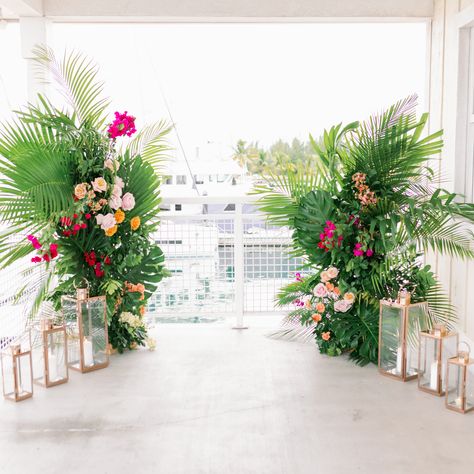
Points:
point(372, 182)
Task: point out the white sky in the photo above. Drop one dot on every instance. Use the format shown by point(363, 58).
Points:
point(252, 81)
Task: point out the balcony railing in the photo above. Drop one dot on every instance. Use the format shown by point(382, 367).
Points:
point(224, 260)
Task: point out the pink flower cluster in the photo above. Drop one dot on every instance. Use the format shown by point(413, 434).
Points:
point(122, 125)
point(72, 228)
point(47, 255)
point(358, 252)
point(364, 195)
point(327, 239)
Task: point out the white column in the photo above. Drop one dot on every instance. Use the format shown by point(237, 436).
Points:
point(33, 32)
point(239, 275)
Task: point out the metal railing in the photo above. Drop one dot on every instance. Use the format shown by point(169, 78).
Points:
point(224, 259)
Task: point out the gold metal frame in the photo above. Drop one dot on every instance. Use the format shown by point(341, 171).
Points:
point(46, 382)
point(429, 334)
point(82, 368)
point(403, 377)
point(464, 365)
point(16, 354)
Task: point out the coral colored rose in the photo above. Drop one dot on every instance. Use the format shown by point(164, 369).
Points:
point(349, 296)
point(128, 202)
point(337, 291)
point(329, 286)
point(135, 223)
point(325, 277)
point(111, 164)
point(115, 202)
point(326, 336)
point(320, 307)
point(111, 231)
point(80, 190)
point(99, 185)
point(316, 317)
point(106, 221)
point(119, 216)
point(320, 290)
point(142, 310)
point(140, 287)
point(342, 306)
point(332, 272)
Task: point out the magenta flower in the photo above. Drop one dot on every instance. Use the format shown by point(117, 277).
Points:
point(122, 125)
point(34, 242)
point(298, 276)
point(369, 252)
point(36, 259)
point(358, 253)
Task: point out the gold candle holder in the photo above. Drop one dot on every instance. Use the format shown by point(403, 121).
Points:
point(460, 382)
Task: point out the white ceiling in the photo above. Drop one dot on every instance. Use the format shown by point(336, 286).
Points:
point(215, 9)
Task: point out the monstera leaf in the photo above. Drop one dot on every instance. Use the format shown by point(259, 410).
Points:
point(315, 209)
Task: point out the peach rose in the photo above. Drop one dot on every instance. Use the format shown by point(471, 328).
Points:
point(99, 185)
point(349, 297)
point(80, 191)
point(111, 164)
point(329, 286)
point(320, 307)
point(332, 272)
point(316, 317)
point(326, 335)
point(325, 277)
point(337, 291)
point(320, 290)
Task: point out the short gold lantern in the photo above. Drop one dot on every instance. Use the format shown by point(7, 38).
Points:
point(460, 383)
point(86, 320)
point(17, 369)
point(400, 325)
point(51, 354)
point(437, 345)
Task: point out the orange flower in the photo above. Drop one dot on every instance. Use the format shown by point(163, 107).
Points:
point(111, 231)
point(349, 297)
point(320, 308)
point(329, 286)
point(140, 287)
point(337, 291)
point(135, 223)
point(119, 216)
point(326, 336)
point(142, 310)
point(316, 317)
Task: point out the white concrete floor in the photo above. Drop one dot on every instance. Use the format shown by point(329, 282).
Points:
point(221, 401)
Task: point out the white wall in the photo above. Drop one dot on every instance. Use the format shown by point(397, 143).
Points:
point(456, 276)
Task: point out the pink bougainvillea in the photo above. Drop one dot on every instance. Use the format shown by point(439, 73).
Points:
point(122, 125)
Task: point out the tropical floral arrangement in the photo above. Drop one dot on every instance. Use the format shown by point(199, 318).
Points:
point(84, 198)
point(367, 209)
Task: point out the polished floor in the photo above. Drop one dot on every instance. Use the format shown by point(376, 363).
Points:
point(215, 400)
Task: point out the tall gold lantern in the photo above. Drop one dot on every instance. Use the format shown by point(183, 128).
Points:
point(17, 369)
point(460, 383)
point(50, 361)
point(86, 320)
point(437, 345)
point(400, 325)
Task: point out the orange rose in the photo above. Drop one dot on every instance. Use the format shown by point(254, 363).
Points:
point(326, 336)
point(316, 317)
point(140, 287)
point(119, 216)
point(337, 291)
point(349, 297)
point(320, 308)
point(111, 231)
point(329, 286)
point(142, 310)
point(135, 223)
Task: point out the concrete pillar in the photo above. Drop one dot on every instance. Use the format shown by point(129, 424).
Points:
point(33, 31)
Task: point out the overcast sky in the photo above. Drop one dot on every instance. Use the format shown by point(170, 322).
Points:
point(251, 81)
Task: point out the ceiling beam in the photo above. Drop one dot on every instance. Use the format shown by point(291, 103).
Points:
point(23, 7)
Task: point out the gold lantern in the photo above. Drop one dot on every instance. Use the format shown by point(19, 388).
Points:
point(460, 383)
point(400, 325)
point(51, 354)
point(17, 369)
point(86, 320)
point(437, 345)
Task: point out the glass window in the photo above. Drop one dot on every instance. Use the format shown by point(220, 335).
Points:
point(181, 179)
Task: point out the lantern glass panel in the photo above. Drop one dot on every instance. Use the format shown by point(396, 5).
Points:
point(57, 366)
point(391, 352)
point(94, 332)
point(429, 369)
point(417, 320)
point(455, 392)
point(23, 374)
